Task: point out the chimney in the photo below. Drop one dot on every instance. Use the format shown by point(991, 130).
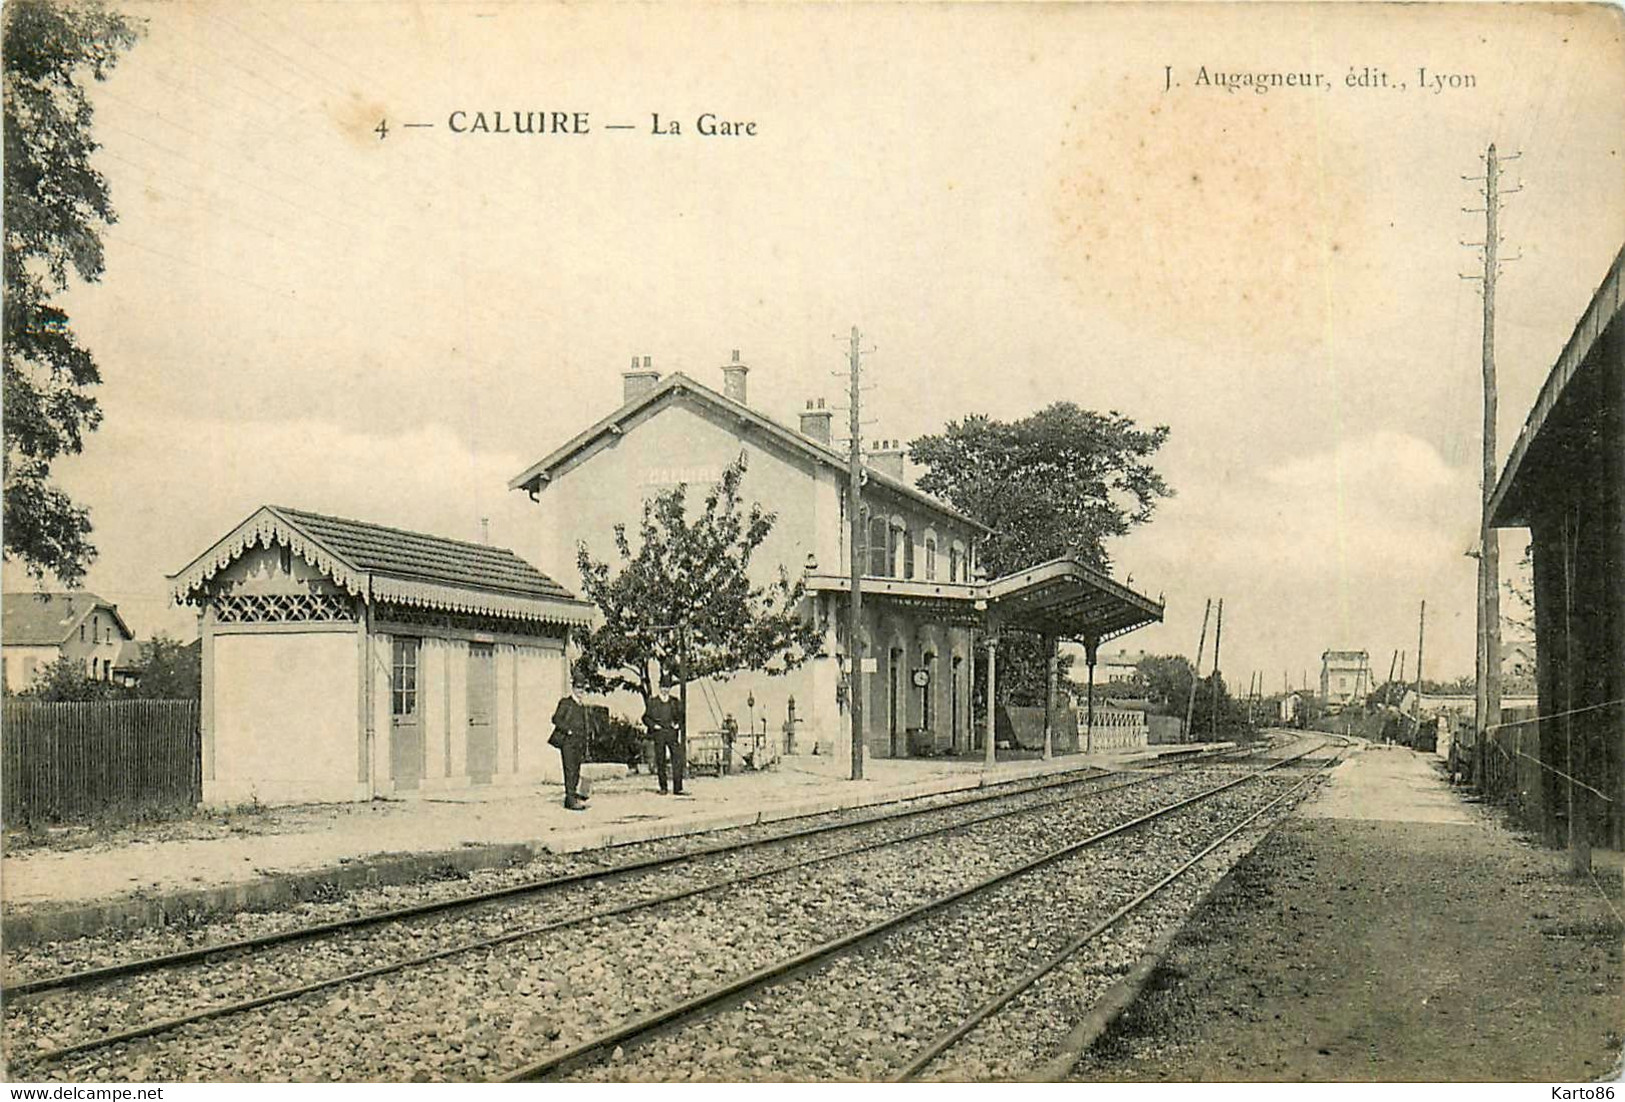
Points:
point(816, 422)
point(733, 379)
point(886, 457)
point(638, 381)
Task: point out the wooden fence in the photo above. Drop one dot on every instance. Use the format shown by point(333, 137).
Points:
point(61, 762)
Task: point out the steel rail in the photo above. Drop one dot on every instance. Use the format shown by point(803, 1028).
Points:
point(169, 1025)
point(101, 974)
point(586, 1051)
point(1077, 944)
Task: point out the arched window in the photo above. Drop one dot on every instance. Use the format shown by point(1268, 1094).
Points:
point(908, 553)
point(899, 552)
point(930, 555)
point(959, 563)
point(879, 547)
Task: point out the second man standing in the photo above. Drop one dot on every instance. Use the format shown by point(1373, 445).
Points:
point(663, 716)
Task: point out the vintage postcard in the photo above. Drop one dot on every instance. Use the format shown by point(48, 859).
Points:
point(829, 542)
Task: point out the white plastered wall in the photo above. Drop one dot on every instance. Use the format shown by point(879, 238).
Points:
point(540, 679)
point(286, 719)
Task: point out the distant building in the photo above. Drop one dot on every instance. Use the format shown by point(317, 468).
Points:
point(41, 627)
point(1345, 677)
point(1122, 666)
point(1518, 658)
point(127, 665)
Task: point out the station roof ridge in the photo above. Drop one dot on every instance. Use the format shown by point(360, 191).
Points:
point(537, 474)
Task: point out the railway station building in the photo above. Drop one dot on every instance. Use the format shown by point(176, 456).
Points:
point(1564, 481)
point(927, 608)
point(344, 660)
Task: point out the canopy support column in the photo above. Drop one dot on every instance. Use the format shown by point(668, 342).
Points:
point(991, 737)
point(1091, 648)
point(1051, 664)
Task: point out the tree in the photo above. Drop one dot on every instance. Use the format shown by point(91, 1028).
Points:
point(170, 670)
point(1519, 614)
point(55, 206)
point(688, 581)
point(1168, 680)
point(1056, 483)
point(65, 680)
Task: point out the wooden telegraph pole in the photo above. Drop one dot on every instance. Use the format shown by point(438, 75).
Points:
point(1421, 628)
point(1218, 633)
point(1489, 566)
point(1196, 673)
point(854, 515)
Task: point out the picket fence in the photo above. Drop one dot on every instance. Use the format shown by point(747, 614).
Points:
point(67, 762)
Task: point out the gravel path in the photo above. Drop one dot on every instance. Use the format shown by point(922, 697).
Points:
point(545, 973)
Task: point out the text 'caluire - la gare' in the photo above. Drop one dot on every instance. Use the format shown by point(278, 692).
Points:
point(707, 124)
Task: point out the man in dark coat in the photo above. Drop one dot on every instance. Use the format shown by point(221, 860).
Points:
point(572, 727)
point(663, 716)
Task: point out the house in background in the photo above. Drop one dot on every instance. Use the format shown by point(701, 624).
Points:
point(1345, 677)
point(40, 627)
point(344, 660)
point(1518, 660)
point(127, 666)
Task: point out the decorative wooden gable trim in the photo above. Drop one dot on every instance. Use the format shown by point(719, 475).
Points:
point(404, 591)
point(264, 529)
point(201, 582)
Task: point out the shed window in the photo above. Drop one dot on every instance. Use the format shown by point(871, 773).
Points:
point(404, 678)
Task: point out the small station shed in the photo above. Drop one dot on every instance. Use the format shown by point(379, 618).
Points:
point(344, 660)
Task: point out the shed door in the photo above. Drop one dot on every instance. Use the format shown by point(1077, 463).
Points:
point(405, 725)
point(482, 727)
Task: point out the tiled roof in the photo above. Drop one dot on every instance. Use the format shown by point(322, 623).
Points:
point(375, 548)
point(48, 618)
point(392, 566)
point(129, 656)
point(677, 385)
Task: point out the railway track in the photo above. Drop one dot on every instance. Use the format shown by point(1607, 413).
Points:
point(1044, 808)
point(1029, 800)
point(936, 1053)
point(801, 986)
point(87, 977)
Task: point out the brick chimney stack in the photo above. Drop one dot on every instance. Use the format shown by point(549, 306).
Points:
point(638, 381)
point(817, 422)
point(887, 458)
point(733, 379)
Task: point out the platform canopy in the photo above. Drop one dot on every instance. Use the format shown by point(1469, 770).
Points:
point(1063, 598)
point(1069, 600)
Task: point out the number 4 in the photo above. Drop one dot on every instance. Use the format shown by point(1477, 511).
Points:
point(382, 129)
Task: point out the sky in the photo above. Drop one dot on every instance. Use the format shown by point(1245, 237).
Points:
point(1016, 204)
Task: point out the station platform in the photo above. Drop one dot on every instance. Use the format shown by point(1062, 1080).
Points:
point(77, 883)
point(1390, 931)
